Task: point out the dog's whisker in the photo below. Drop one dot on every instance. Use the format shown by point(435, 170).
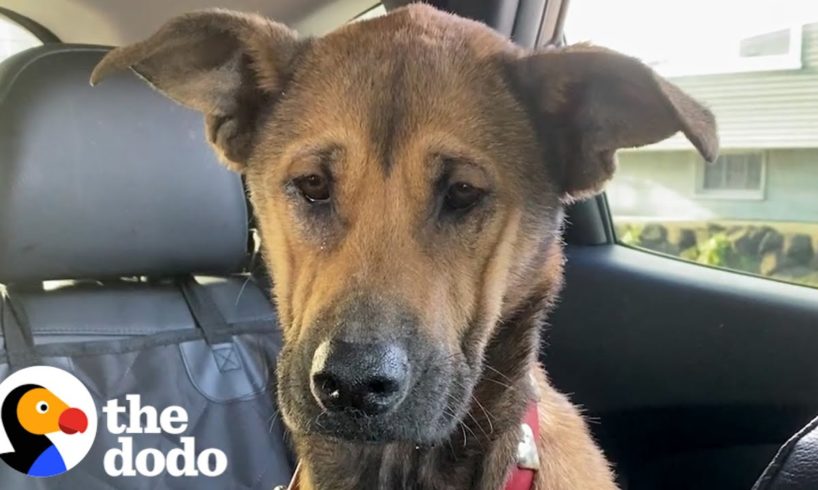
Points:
point(478, 424)
point(468, 413)
point(488, 416)
point(489, 367)
point(241, 290)
point(274, 418)
point(462, 427)
point(500, 383)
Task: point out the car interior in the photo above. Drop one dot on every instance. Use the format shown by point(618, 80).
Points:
point(692, 375)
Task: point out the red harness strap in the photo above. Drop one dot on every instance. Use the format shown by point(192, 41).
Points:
point(521, 478)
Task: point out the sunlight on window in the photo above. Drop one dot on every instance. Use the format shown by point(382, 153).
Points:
point(755, 64)
point(698, 36)
point(14, 38)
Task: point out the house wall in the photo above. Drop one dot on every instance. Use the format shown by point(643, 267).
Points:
point(662, 184)
point(761, 109)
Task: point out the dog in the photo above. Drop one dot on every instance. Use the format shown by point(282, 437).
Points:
point(409, 175)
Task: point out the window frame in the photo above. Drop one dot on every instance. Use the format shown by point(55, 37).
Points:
point(759, 194)
point(35, 28)
point(375, 11)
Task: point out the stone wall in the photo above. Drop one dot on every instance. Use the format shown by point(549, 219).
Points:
point(785, 251)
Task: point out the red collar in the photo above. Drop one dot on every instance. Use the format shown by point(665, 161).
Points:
point(521, 478)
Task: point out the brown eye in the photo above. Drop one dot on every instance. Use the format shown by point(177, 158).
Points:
point(314, 188)
point(462, 196)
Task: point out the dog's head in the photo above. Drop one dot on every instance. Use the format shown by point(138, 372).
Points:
point(408, 175)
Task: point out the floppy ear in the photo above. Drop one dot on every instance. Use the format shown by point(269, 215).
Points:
point(225, 64)
point(589, 102)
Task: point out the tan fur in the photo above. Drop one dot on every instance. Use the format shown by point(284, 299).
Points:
point(392, 109)
point(569, 459)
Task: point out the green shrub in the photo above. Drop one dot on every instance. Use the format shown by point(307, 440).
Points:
point(630, 235)
point(691, 253)
point(716, 251)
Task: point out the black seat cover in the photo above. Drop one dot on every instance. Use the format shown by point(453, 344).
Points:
point(795, 467)
point(108, 196)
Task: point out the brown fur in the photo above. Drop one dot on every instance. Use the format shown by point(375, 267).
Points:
point(391, 108)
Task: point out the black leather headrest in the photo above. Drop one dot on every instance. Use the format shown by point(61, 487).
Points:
point(108, 181)
point(520, 20)
point(498, 14)
point(795, 467)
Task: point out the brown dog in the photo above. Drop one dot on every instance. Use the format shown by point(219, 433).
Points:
point(409, 174)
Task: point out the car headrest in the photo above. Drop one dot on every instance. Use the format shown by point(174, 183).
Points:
point(795, 466)
point(108, 181)
point(497, 14)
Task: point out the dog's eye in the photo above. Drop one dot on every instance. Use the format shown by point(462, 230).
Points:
point(460, 196)
point(314, 188)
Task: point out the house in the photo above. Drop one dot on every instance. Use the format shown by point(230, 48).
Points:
point(766, 103)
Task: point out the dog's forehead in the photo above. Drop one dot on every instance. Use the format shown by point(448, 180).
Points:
point(387, 81)
point(419, 26)
point(414, 45)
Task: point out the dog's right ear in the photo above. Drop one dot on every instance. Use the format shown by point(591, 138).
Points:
point(225, 64)
point(588, 102)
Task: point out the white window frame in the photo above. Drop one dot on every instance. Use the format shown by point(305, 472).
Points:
point(731, 194)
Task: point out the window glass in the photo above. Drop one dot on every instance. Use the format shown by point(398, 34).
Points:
point(755, 64)
point(375, 11)
point(14, 38)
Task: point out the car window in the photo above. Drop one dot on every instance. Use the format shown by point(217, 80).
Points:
point(375, 11)
point(14, 38)
point(755, 64)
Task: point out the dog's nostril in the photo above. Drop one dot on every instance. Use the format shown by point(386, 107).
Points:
point(327, 384)
point(370, 378)
point(383, 386)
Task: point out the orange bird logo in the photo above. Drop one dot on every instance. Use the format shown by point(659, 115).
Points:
point(29, 413)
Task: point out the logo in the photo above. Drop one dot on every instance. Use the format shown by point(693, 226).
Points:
point(48, 421)
point(183, 461)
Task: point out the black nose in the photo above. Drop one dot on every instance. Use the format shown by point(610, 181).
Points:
point(372, 378)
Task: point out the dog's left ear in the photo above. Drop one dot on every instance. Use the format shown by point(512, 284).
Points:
point(589, 102)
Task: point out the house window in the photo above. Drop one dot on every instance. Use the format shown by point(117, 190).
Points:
point(733, 176)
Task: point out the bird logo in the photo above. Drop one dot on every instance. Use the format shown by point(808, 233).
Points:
point(49, 421)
